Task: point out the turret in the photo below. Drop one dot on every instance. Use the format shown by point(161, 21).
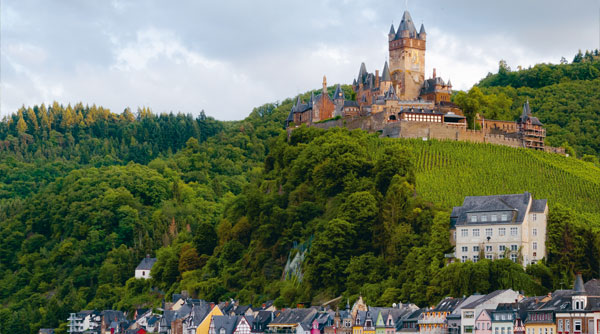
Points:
point(385, 75)
point(526, 109)
point(392, 33)
point(324, 85)
point(422, 33)
point(339, 93)
point(362, 72)
point(407, 27)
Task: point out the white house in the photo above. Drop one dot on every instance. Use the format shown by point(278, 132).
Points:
point(469, 313)
point(143, 269)
point(495, 227)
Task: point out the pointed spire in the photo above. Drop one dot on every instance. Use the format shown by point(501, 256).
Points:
point(422, 30)
point(449, 83)
point(392, 31)
point(339, 93)
point(579, 286)
point(385, 75)
point(362, 72)
point(406, 25)
point(298, 101)
point(312, 97)
point(526, 109)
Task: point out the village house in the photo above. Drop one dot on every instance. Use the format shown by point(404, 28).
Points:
point(434, 321)
point(471, 311)
point(142, 271)
point(499, 226)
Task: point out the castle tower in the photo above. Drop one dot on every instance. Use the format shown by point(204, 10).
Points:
point(407, 58)
point(386, 79)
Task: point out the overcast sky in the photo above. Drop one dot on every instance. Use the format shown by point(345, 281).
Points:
point(226, 57)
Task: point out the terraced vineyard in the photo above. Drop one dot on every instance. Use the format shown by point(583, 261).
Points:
point(448, 171)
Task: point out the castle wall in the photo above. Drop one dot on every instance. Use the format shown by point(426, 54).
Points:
point(425, 130)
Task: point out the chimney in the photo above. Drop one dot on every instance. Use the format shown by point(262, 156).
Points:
point(376, 78)
point(212, 305)
point(147, 255)
point(434, 75)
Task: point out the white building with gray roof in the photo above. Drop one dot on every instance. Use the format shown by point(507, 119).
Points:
point(142, 271)
point(500, 226)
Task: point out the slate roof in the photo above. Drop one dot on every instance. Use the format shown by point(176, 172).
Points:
point(579, 287)
point(392, 31)
point(152, 320)
point(226, 322)
point(385, 75)
point(240, 310)
point(593, 287)
point(350, 103)
point(516, 203)
point(199, 312)
point(167, 318)
point(295, 316)
point(538, 205)
point(362, 316)
point(484, 299)
point(429, 85)
point(448, 304)
point(406, 25)
point(112, 315)
point(527, 115)
point(339, 93)
point(146, 263)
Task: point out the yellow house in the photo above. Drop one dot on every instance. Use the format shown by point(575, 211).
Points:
point(369, 326)
point(540, 322)
point(359, 322)
point(205, 324)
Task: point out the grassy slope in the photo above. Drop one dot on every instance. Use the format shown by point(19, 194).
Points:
point(448, 171)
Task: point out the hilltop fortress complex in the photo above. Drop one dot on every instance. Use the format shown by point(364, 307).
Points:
point(399, 102)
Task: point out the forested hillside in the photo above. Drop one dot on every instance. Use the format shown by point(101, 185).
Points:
point(86, 193)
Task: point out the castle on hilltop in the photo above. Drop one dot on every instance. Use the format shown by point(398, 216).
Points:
point(400, 102)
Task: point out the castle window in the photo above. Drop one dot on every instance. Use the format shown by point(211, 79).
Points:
point(534, 232)
point(502, 231)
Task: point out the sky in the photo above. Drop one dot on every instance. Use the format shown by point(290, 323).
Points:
point(227, 57)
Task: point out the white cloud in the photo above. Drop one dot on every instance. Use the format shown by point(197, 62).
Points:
point(228, 57)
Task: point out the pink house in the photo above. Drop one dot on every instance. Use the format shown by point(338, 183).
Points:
point(483, 323)
point(315, 327)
